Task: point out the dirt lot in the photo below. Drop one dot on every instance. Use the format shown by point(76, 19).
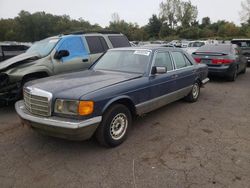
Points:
point(204, 144)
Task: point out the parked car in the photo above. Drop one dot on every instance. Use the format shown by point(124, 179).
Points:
point(193, 46)
point(55, 55)
point(224, 60)
point(102, 100)
point(9, 50)
point(244, 44)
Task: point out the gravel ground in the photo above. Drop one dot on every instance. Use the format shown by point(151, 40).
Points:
point(204, 144)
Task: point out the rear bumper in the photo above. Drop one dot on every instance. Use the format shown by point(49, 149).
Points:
point(221, 70)
point(58, 127)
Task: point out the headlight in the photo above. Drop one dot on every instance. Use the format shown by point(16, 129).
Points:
point(74, 107)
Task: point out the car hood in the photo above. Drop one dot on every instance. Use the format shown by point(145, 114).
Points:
point(75, 85)
point(19, 59)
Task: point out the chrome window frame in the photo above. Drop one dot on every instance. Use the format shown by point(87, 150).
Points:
point(184, 59)
point(153, 61)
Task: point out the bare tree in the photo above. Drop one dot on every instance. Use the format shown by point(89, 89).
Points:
point(115, 18)
point(178, 12)
point(245, 13)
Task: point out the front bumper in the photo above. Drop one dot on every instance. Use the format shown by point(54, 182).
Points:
point(205, 81)
point(10, 92)
point(57, 126)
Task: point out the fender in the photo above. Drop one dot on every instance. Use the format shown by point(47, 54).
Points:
point(113, 100)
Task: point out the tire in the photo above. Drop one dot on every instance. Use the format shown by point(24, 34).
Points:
point(194, 93)
point(244, 70)
point(115, 126)
point(234, 75)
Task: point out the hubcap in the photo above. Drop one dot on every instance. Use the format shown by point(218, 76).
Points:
point(195, 91)
point(118, 126)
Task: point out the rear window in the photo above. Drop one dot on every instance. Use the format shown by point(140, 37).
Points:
point(215, 49)
point(119, 41)
point(242, 44)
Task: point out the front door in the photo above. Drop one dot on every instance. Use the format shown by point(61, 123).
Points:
point(162, 86)
point(78, 58)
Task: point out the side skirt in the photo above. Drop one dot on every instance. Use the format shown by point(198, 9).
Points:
point(158, 102)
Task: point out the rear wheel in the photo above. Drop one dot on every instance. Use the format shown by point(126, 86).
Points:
point(194, 93)
point(233, 75)
point(114, 127)
point(244, 70)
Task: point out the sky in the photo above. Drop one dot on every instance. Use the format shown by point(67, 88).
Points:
point(100, 11)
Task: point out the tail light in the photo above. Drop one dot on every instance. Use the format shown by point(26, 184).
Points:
point(198, 60)
point(222, 61)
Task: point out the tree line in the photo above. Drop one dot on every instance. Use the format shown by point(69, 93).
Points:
point(176, 19)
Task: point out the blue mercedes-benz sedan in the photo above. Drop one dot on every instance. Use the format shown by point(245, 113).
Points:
point(102, 100)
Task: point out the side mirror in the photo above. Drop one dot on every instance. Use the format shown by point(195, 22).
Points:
point(62, 53)
point(158, 70)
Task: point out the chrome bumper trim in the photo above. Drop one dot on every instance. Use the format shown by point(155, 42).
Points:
point(205, 81)
point(54, 121)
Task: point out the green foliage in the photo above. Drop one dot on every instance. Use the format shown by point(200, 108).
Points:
point(37, 26)
point(177, 19)
point(154, 26)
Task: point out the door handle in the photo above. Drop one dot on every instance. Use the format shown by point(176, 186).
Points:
point(85, 60)
point(174, 76)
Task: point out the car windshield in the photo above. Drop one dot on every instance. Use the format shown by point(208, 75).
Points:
point(133, 61)
point(43, 47)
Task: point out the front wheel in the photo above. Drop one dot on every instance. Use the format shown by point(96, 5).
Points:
point(194, 93)
point(114, 127)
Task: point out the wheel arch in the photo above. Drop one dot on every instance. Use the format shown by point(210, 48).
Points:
point(40, 74)
point(124, 100)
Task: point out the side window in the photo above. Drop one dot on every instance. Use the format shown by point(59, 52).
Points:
point(75, 47)
point(179, 60)
point(119, 41)
point(162, 59)
point(95, 44)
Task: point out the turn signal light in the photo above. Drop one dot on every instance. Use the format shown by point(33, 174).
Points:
point(85, 108)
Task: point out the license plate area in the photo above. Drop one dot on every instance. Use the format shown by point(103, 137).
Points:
point(206, 61)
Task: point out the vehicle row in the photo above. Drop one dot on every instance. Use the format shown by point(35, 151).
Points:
point(52, 56)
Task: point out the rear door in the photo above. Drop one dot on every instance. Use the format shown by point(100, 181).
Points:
point(185, 71)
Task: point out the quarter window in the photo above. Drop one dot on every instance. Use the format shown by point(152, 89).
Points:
point(119, 41)
point(188, 62)
point(179, 60)
point(96, 44)
point(162, 59)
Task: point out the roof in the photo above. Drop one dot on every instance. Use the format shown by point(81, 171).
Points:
point(241, 40)
point(151, 48)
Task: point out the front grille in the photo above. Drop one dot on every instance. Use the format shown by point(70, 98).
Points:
point(37, 104)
